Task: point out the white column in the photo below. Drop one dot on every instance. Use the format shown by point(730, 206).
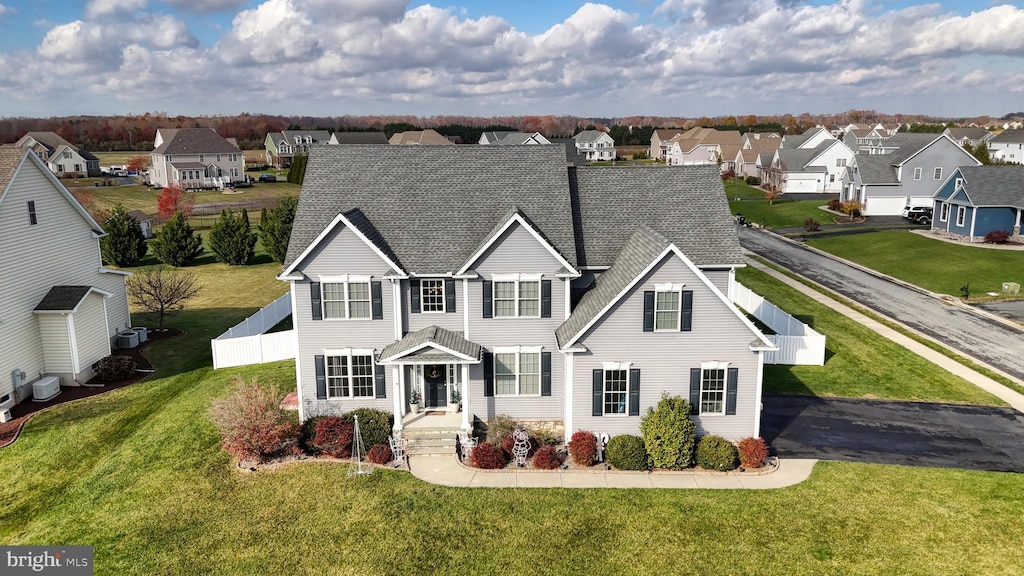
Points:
point(465, 308)
point(298, 355)
point(396, 297)
point(567, 389)
point(398, 392)
point(757, 394)
point(467, 417)
point(567, 286)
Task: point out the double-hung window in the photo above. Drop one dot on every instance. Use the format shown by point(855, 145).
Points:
point(712, 391)
point(516, 296)
point(944, 212)
point(616, 391)
point(432, 295)
point(961, 215)
point(666, 310)
point(917, 173)
point(350, 375)
point(346, 299)
point(517, 371)
point(937, 175)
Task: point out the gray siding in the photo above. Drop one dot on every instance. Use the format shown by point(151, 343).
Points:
point(53, 333)
point(90, 335)
point(516, 251)
point(720, 278)
point(942, 154)
point(665, 358)
point(413, 322)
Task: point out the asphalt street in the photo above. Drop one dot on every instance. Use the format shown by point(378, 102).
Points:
point(980, 337)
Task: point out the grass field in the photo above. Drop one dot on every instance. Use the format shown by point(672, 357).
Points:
point(144, 198)
point(932, 264)
point(138, 474)
point(738, 188)
point(781, 213)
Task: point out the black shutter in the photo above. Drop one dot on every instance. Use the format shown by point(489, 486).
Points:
point(545, 298)
point(730, 391)
point(488, 374)
point(414, 296)
point(545, 373)
point(634, 391)
point(382, 389)
point(598, 392)
point(648, 311)
point(488, 288)
point(687, 322)
point(314, 297)
point(694, 390)
point(376, 302)
point(449, 296)
point(321, 378)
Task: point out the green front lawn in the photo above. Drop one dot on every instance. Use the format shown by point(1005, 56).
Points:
point(781, 213)
point(738, 188)
point(938, 266)
point(144, 198)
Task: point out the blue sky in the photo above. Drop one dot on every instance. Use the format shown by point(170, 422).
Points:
point(612, 58)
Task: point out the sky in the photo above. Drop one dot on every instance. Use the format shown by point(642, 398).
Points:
point(951, 58)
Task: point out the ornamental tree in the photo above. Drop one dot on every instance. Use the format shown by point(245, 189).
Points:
point(173, 199)
point(162, 291)
point(124, 245)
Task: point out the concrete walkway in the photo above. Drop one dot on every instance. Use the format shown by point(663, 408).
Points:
point(448, 471)
point(1011, 397)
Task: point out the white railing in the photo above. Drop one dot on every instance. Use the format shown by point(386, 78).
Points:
point(248, 343)
point(798, 343)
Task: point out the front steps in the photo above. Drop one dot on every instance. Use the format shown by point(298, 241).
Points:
point(432, 435)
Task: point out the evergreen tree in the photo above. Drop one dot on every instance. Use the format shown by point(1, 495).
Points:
point(124, 245)
point(232, 241)
point(275, 227)
point(297, 172)
point(177, 244)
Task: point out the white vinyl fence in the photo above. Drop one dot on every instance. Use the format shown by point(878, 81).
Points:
point(247, 342)
point(798, 343)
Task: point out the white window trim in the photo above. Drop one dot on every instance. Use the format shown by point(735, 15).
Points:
point(348, 354)
point(444, 296)
point(519, 351)
point(958, 184)
point(944, 212)
point(614, 366)
point(345, 280)
point(714, 365)
point(661, 289)
point(937, 173)
point(961, 215)
point(918, 173)
point(517, 279)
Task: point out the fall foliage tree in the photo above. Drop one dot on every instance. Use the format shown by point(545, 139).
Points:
point(138, 163)
point(174, 200)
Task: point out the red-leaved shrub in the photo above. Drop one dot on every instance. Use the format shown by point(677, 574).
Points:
point(997, 237)
point(509, 442)
point(252, 423)
point(547, 458)
point(379, 454)
point(333, 436)
point(488, 457)
point(753, 451)
point(583, 448)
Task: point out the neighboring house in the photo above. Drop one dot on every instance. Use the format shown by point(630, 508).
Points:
point(976, 200)
point(570, 297)
point(908, 175)
point(512, 138)
point(865, 139)
point(60, 309)
point(811, 138)
point(281, 147)
point(346, 138)
point(60, 156)
point(824, 169)
point(595, 145)
point(195, 158)
point(753, 146)
point(145, 222)
point(660, 142)
point(973, 135)
point(1008, 146)
point(704, 146)
point(426, 137)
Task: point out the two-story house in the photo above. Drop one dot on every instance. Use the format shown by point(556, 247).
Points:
point(569, 296)
point(281, 147)
point(195, 158)
point(660, 142)
point(60, 156)
point(823, 169)
point(1007, 146)
point(595, 145)
point(60, 309)
point(704, 146)
point(973, 135)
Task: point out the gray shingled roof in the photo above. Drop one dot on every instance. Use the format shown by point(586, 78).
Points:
point(1013, 136)
point(492, 137)
point(318, 136)
point(796, 159)
point(194, 141)
point(140, 215)
point(9, 160)
point(686, 204)
point(994, 185)
point(62, 298)
point(876, 169)
point(642, 247)
point(908, 144)
point(432, 335)
point(347, 138)
point(969, 132)
point(588, 136)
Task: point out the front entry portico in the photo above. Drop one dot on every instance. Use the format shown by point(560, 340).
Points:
point(435, 385)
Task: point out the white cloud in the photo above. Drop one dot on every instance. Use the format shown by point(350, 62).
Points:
point(100, 8)
point(6, 11)
point(206, 5)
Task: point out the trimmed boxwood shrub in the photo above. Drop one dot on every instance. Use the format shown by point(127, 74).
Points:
point(752, 451)
point(379, 454)
point(669, 434)
point(500, 427)
point(333, 436)
point(716, 453)
point(115, 368)
point(583, 448)
point(753, 181)
point(374, 425)
point(487, 456)
point(627, 452)
point(548, 458)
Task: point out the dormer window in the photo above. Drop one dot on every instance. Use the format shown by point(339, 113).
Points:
point(298, 139)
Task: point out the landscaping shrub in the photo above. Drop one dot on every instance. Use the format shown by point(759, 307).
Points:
point(835, 204)
point(583, 448)
point(379, 454)
point(716, 453)
point(500, 427)
point(488, 457)
point(752, 181)
point(252, 423)
point(730, 173)
point(115, 368)
point(307, 434)
point(752, 451)
point(544, 436)
point(669, 434)
point(548, 458)
point(852, 208)
point(627, 452)
point(374, 425)
point(333, 436)
point(811, 225)
point(997, 237)
point(124, 245)
point(509, 441)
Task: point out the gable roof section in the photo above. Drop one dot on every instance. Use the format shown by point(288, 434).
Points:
point(797, 159)
point(356, 221)
point(994, 185)
point(516, 217)
point(318, 136)
point(347, 138)
point(589, 136)
point(1014, 136)
point(969, 132)
point(50, 140)
point(194, 141)
point(61, 299)
point(667, 133)
point(876, 169)
point(433, 344)
point(13, 159)
point(428, 137)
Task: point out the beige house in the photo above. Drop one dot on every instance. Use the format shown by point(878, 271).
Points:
point(195, 158)
point(660, 142)
point(61, 157)
point(426, 137)
point(704, 146)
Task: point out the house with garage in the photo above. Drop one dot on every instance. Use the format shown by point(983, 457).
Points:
point(60, 309)
point(62, 157)
point(810, 138)
point(976, 200)
point(824, 169)
point(595, 145)
point(704, 146)
point(907, 175)
point(1007, 146)
point(973, 135)
point(195, 158)
point(571, 297)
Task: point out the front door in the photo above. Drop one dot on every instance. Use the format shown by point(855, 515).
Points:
point(435, 395)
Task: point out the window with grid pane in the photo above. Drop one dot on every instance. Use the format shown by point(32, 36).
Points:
point(333, 299)
point(529, 298)
point(362, 376)
point(505, 374)
point(504, 299)
point(666, 311)
point(529, 373)
point(432, 295)
point(514, 299)
point(615, 390)
point(712, 391)
point(337, 376)
point(349, 376)
point(358, 300)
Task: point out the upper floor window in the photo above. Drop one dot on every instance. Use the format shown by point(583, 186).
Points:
point(218, 157)
point(840, 162)
point(432, 295)
point(958, 183)
point(517, 298)
point(346, 299)
point(201, 158)
point(516, 372)
point(350, 376)
point(170, 158)
point(917, 173)
point(67, 154)
point(938, 174)
point(668, 308)
point(32, 213)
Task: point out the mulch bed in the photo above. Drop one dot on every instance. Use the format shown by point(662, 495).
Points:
point(22, 412)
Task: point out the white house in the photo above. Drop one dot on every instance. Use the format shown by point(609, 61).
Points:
point(1008, 146)
point(194, 158)
point(595, 145)
point(822, 169)
point(61, 157)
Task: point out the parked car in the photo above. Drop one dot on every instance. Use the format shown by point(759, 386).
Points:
point(918, 214)
point(242, 184)
point(268, 178)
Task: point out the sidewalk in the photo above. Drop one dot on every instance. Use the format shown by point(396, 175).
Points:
point(448, 471)
point(1011, 397)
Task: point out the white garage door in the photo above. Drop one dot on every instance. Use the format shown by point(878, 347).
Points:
point(885, 206)
point(921, 201)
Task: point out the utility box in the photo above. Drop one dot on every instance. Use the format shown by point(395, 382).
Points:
point(1011, 288)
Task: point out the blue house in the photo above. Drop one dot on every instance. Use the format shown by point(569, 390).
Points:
point(976, 200)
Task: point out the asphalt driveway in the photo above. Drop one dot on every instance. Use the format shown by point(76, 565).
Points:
point(889, 432)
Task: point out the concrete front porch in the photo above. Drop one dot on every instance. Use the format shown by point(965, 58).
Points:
point(433, 433)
